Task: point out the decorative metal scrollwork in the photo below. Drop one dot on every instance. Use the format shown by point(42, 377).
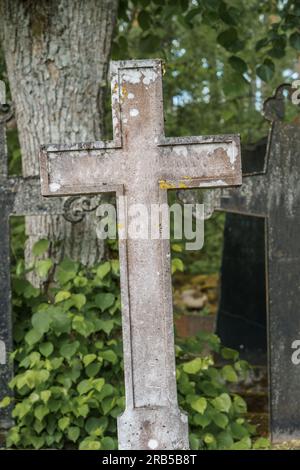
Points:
point(76, 207)
point(6, 112)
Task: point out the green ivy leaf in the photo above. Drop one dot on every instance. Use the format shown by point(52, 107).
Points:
point(32, 337)
point(104, 301)
point(228, 353)
point(243, 444)
point(83, 410)
point(63, 423)
point(240, 406)
point(109, 355)
point(238, 64)
point(94, 426)
point(222, 402)
point(295, 41)
point(68, 350)
point(41, 322)
point(73, 433)
point(37, 441)
point(43, 267)
point(194, 441)
point(84, 387)
point(62, 295)
point(93, 369)
point(98, 384)
point(107, 443)
point(144, 19)
point(177, 265)
point(229, 374)
point(227, 38)
point(238, 431)
point(261, 443)
point(88, 359)
point(61, 323)
point(197, 364)
point(45, 395)
point(89, 445)
point(199, 405)
point(5, 402)
point(41, 411)
point(202, 420)
point(224, 440)
point(79, 300)
point(220, 420)
point(103, 269)
point(266, 70)
point(46, 349)
point(40, 247)
point(106, 325)
point(107, 404)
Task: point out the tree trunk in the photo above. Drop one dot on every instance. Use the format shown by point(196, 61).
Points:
point(57, 55)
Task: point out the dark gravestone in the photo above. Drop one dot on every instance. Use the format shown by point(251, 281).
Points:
point(241, 320)
point(274, 195)
point(18, 196)
point(242, 314)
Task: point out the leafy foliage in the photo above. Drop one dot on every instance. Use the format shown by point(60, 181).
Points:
point(68, 382)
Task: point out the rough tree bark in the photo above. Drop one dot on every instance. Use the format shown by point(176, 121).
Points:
point(57, 55)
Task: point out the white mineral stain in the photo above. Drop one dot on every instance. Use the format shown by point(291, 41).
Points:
point(149, 76)
point(134, 112)
point(215, 183)
point(181, 151)
point(132, 76)
point(54, 187)
point(130, 96)
point(2, 353)
point(152, 444)
point(234, 153)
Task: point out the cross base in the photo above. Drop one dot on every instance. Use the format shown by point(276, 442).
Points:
point(155, 428)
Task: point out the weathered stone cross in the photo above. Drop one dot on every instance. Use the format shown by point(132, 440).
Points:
point(141, 164)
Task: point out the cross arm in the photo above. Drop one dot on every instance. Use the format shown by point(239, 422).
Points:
point(204, 161)
point(81, 168)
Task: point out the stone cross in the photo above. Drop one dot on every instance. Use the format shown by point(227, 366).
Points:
point(142, 164)
point(18, 196)
point(274, 195)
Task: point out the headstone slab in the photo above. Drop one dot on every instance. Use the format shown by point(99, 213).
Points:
point(242, 310)
point(142, 164)
point(20, 197)
point(274, 195)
